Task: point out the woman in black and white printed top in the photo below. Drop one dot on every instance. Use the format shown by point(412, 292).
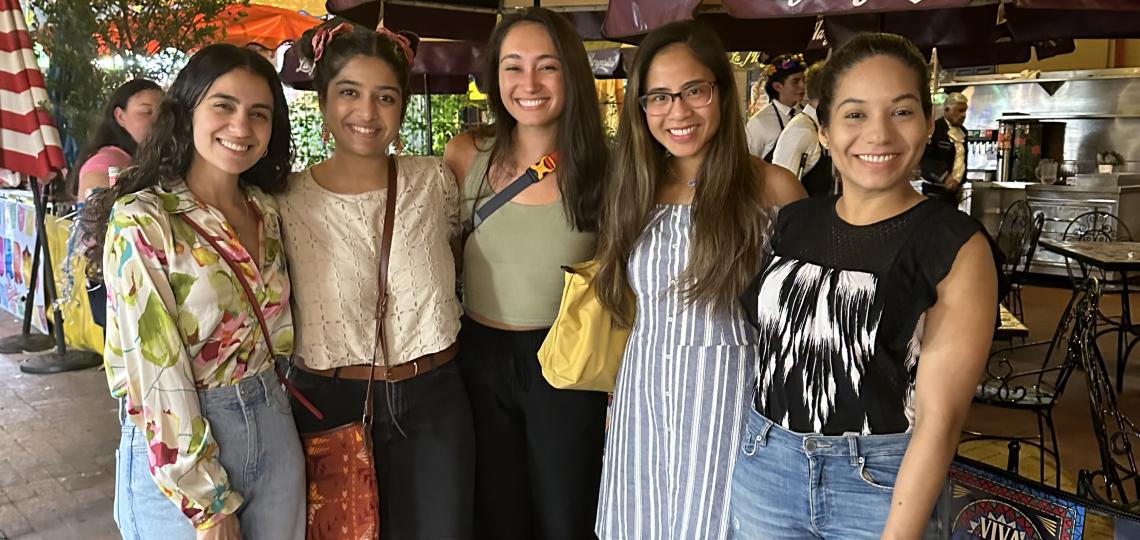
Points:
point(874, 320)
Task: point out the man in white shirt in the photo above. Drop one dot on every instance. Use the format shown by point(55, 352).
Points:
point(798, 148)
point(785, 89)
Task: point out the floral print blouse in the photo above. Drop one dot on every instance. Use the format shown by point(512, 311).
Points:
point(178, 322)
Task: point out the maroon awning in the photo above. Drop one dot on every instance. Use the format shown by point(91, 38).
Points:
point(762, 9)
point(441, 67)
point(1103, 5)
point(469, 20)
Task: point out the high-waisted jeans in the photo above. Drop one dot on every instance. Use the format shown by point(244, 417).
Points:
point(259, 449)
point(789, 485)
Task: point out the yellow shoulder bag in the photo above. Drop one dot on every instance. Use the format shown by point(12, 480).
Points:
point(583, 349)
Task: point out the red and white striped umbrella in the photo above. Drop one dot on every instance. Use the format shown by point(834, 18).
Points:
point(29, 140)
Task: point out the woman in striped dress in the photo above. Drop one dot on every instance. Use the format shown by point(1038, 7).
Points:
point(688, 218)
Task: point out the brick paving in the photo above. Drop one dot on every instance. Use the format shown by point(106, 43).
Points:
point(58, 435)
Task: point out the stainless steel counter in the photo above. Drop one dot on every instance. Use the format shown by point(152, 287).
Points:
point(1059, 204)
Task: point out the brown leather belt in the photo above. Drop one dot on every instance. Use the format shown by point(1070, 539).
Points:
point(397, 373)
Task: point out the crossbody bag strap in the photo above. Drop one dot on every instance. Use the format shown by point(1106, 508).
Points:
point(256, 306)
point(381, 345)
point(532, 175)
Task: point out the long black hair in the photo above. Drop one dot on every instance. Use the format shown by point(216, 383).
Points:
point(109, 132)
point(581, 143)
point(165, 156)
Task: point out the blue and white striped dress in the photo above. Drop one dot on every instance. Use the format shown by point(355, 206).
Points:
point(679, 401)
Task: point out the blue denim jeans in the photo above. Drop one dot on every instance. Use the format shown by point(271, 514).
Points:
point(789, 485)
point(259, 449)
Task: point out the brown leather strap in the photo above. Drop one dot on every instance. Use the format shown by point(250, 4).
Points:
point(381, 344)
point(256, 306)
point(397, 373)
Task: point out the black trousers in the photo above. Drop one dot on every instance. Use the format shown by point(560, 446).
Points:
point(539, 457)
point(426, 478)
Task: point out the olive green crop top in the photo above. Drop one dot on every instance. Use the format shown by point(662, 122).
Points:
point(512, 263)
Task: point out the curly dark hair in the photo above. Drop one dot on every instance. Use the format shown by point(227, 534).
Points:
point(165, 156)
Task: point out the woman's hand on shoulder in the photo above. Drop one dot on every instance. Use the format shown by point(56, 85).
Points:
point(778, 185)
point(459, 154)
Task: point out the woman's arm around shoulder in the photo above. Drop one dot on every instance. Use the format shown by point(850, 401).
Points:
point(459, 154)
point(958, 332)
point(778, 185)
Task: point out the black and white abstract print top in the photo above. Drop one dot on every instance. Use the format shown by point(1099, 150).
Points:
point(840, 313)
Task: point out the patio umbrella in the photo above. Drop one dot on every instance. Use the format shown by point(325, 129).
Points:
point(29, 144)
point(267, 26)
point(315, 8)
point(263, 25)
point(29, 141)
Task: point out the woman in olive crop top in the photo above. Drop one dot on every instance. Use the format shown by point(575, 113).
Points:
point(539, 450)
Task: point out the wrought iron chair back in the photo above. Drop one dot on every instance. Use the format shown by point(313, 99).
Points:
point(1117, 482)
point(1013, 232)
point(1093, 226)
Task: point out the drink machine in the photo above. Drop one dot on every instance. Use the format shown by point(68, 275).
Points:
point(1023, 143)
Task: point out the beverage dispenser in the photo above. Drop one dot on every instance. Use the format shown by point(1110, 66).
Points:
point(1022, 143)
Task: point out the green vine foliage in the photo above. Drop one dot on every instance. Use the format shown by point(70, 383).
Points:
point(307, 124)
point(445, 122)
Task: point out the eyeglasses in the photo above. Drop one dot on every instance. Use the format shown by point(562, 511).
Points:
point(696, 96)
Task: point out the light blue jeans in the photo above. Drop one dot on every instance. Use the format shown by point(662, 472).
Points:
point(260, 450)
point(789, 485)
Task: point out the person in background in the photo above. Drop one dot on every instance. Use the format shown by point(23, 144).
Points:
point(688, 217)
point(208, 448)
point(785, 89)
point(798, 148)
point(423, 441)
point(539, 455)
point(875, 319)
point(944, 162)
point(126, 121)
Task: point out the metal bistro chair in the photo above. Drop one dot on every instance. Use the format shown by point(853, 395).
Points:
point(1094, 226)
point(1017, 238)
point(1117, 482)
point(1100, 226)
point(1010, 385)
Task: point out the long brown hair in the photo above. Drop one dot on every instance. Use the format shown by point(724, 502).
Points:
point(581, 141)
point(728, 222)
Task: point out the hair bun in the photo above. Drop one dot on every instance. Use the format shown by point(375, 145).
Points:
point(413, 40)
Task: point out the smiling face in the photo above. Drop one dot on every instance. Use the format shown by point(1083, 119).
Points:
point(363, 106)
point(233, 123)
point(686, 129)
point(877, 130)
point(139, 114)
point(530, 75)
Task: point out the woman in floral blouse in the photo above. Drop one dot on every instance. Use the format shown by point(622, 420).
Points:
point(204, 416)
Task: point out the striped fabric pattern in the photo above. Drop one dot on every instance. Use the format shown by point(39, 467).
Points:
point(679, 401)
point(29, 141)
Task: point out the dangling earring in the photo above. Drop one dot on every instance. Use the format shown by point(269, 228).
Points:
point(399, 145)
point(266, 153)
point(325, 134)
